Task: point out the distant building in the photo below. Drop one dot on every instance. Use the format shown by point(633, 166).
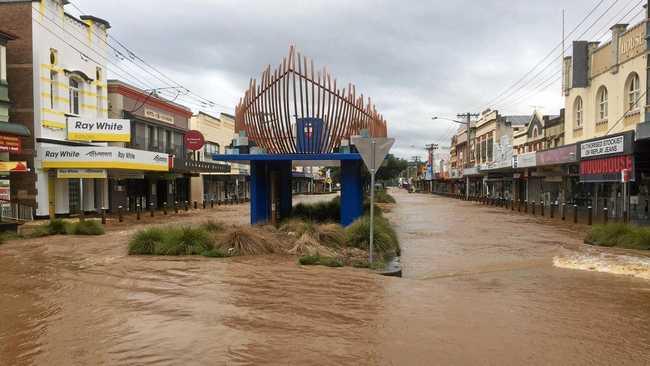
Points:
point(218, 186)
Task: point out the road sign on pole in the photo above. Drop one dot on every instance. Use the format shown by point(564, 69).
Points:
point(373, 152)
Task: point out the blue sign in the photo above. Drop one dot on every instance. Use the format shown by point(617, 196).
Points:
point(311, 135)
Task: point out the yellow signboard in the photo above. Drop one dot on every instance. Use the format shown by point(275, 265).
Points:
point(118, 130)
point(81, 173)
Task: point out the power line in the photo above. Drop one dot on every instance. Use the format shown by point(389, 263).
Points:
point(155, 70)
point(536, 90)
point(552, 62)
point(516, 97)
point(544, 58)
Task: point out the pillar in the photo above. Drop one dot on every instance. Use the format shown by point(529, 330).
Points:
point(351, 191)
point(286, 196)
point(260, 195)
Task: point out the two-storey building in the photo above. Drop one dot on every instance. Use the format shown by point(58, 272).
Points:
point(604, 87)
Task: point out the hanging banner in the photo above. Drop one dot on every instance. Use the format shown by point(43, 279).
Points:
point(13, 166)
point(81, 173)
point(12, 144)
point(118, 130)
point(101, 157)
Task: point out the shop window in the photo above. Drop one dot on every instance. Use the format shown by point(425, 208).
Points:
point(490, 149)
point(579, 112)
point(602, 103)
point(632, 92)
point(74, 96)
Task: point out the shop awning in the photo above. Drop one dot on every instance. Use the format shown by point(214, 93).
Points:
point(8, 128)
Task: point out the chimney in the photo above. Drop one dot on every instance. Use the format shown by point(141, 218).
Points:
point(617, 31)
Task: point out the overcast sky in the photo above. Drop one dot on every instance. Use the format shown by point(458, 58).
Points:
point(416, 59)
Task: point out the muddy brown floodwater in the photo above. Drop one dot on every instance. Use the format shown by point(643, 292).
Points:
point(480, 287)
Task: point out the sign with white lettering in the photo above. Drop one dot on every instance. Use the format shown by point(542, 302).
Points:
point(606, 146)
point(525, 160)
point(99, 129)
point(606, 169)
point(158, 116)
point(81, 173)
point(100, 157)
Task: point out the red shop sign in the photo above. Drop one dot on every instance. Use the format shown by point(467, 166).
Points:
point(12, 144)
point(606, 170)
point(194, 140)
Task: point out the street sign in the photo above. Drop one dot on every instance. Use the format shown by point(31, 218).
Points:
point(373, 152)
point(194, 140)
point(625, 175)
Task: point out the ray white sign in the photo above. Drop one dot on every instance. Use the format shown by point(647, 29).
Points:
point(99, 129)
point(101, 157)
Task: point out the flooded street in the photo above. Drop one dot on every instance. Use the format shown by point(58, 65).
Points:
point(480, 287)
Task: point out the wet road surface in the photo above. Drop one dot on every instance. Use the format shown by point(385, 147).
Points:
point(480, 287)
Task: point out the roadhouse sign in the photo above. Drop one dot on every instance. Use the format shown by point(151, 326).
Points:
point(606, 169)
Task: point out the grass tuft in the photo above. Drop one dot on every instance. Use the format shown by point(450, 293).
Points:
point(213, 226)
point(88, 227)
point(620, 235)
point(214, 253)
point(144, 242)
point(385, 238)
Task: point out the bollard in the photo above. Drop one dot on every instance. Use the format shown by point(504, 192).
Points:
point(204, 204)
point(120, 218)
point(212, 203)
point(563, 211)
point(137, 212)
point(187, 205)
point(518, 205)
point(575, 214)
point(103, 215)
point(195, 205)
point(534, 203)
point(525, 206)
point(165, 208)
point(552, 208)
point(541, 208)
point(590, 215)
point(175, 206)
point(151, 209)
point(219, 203)
point(605, 216)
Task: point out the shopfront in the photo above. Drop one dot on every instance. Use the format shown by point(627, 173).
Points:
point(558, 168)
point(78, 176)
point(602, 162)
point(525, 182)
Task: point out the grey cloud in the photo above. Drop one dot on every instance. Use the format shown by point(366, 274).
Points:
point(415, 58)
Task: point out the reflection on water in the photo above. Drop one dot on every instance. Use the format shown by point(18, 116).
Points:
point(473, 293)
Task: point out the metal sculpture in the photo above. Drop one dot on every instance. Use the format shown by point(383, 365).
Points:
point(295, 101)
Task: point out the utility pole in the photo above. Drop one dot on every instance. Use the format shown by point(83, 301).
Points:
point(468, 123)
point(647, 74)
point(431, 148)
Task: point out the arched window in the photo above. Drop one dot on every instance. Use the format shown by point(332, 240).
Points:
point(535, 132)
point(74, 96)
point(578, 112)
point(602, 103)
point(632, 92)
